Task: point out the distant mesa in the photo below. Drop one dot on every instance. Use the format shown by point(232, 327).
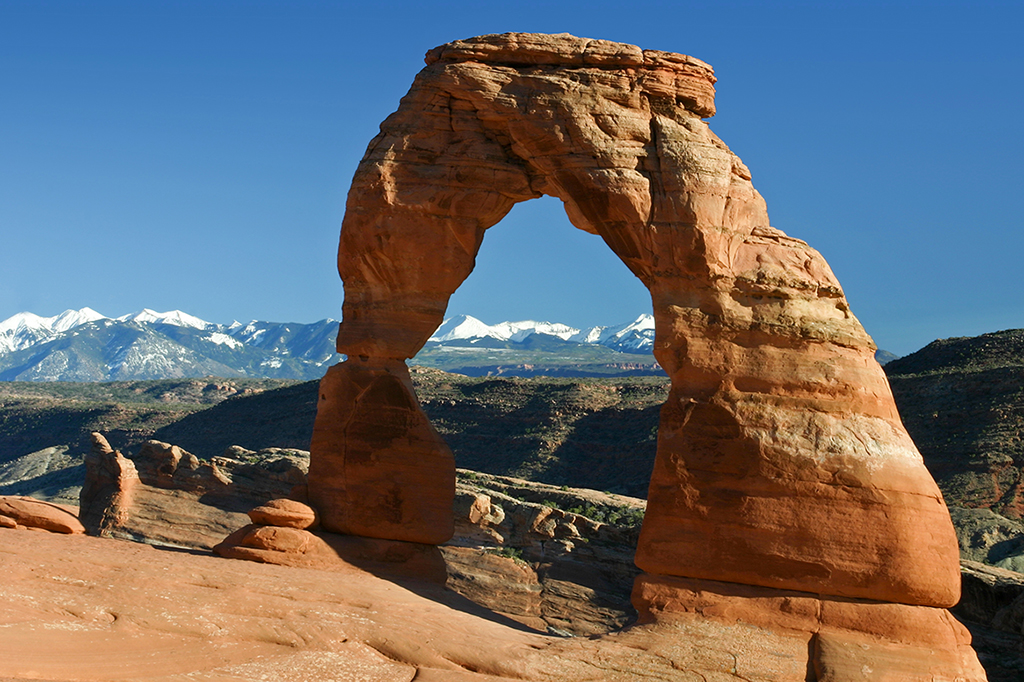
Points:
point(884, 357)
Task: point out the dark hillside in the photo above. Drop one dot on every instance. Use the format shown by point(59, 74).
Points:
point(278, 418)
point(38, 415)
point(597, 433)
point(962, 401)
point(964, 353)
point(590, 433)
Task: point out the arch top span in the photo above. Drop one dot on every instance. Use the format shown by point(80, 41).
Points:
point(613, 131)
point(782, 461)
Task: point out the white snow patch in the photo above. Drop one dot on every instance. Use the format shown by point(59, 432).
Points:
point(468, 327)
point(68, 319)
point(175, 317)
point(638, 334)
point(224, 340)
point(635, 335)
point(27, 329)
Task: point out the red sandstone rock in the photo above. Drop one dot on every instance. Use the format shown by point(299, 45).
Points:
point(36, 514)
point(377, 466)
point(286, 546)
point(165, 495)
point(107, 493)
point(852, 639)
point(284, 513)
point(124, 611)
point(782, 461)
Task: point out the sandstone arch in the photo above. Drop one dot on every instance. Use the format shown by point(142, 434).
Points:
point(782, 461)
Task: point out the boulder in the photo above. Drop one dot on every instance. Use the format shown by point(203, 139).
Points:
point(36, 514)
point(284, 513)
point(288, 546)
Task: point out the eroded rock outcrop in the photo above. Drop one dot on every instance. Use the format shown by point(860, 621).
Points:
point(782, 462)
point(166, 495)
point(553, 559)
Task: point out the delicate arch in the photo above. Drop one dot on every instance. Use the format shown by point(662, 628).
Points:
point(781, 462)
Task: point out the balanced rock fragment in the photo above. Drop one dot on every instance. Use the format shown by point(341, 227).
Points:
point(288, 546)
point(284, 513)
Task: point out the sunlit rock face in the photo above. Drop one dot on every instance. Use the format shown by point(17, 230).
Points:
point(782, 462)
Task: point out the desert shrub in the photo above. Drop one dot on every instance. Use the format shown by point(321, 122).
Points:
point(514, 553)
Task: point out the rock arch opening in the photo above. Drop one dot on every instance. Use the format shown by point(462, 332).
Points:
point(782, 462)
point(534, 265)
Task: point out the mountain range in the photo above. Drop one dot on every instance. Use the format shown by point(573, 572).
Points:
point(468, 332)
point(84, 345)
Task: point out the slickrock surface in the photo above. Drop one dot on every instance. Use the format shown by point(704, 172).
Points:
point(84, 608)
point(782, 461)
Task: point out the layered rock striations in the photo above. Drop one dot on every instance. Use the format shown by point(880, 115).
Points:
point(782, 462)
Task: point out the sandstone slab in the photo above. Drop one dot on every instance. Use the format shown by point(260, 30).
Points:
point(848, 639)
point(36, 514)
point(125, 611)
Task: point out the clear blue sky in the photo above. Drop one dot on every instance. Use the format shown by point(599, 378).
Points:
point(196, 155)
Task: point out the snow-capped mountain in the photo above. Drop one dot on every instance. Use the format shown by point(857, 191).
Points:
point(84, 345)
point(632, 337)
point(26, 329)
point(175, 317)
